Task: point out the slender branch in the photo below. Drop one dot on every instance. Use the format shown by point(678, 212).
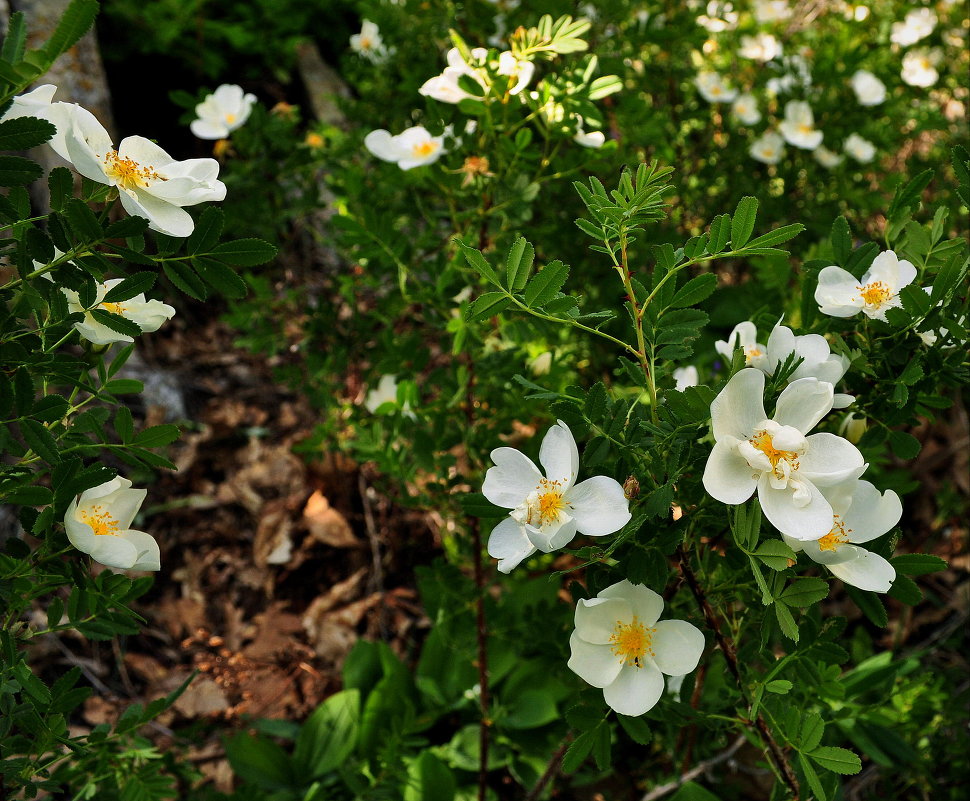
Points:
point(693, 773)
point(731, 657)
point(552, 768)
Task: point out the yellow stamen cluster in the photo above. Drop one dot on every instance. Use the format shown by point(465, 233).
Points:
point(631, 641)
point(839, 535)
point(875, 293)
point(423, 149)
point(804, 128)
point(762, 441)
point(101, 521)
point(550, 502)
point(230, 119)
point(128, 172)
point(753, 351)
point(115, 308)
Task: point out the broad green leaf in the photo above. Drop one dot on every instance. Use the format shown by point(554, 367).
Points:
point(220, 276)
point(477, 261)
point(244, 252)
point(742, 224)
point(260, 761)
point(135, 284)
point(775, 554)
point(788, 626)
point(694, 291)
point(75, 22)
point(812, 729)
point(804, 592)
point(17, 171)
point(24, 133)
point(838, 760)
point(429, 779)
point(918, 564)
point(546, 284)
point(520, 259)
point(116, 322)
point(488, 305)
point(328, 736)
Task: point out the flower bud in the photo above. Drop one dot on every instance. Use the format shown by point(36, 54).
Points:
point(631, 488)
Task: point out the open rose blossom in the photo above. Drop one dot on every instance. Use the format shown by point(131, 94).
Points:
point(150, 183)
point(98, 523)
point(841, 294)
point(413, 147)
point(621, 646)
point(149, 315)
point(776, 457)
point(222, 112)
point(861, 514)
point(548, 512)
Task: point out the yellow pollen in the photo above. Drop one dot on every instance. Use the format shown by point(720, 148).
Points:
point(128, 172)
point(631, 641)
point(925, 64)
point(424, 149)
point(804, 128)
point(101, 522)
point(762, 441)
point(875, 293)
point(753, 351)
point(114, 308)
point(839, 535)
point(365, 43)
point(230, 118)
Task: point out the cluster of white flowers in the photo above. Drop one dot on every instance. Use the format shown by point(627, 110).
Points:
point(222, 112)
point(618, 644)
point(369, 45)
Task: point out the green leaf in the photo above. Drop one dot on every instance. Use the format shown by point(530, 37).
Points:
point(779, 686)
point(579, 749)
point(841, 238)
point(775, 554)
point(804, 592)
point(918, 564)
point(29, 496)
point(531, 709)
point(207, 231)
point(837, 760)
point(123, 386)
point(17, 171)
point(157, 436)
point(328, 736)
point(637, 728)
point(259, 761)
point(905, 590)
point(24, 133)
point(116, 322)
point(40, 440)
point(546, 284)
point(904, 445)
point(691, 791)
point(788, 626)
point(184, 278)
point(124, 426)
point(812, 778)
point(245, 252)
point(519, 266)
point(907, 197)
point(720, 233)
point(16, 39)
point(487, 305)
point(813, 727)
point(75, 22)
point(780, 234)
point(135, 284)
point(83, 220)
point(478, 262)
point(604, 86)
point(221, 277)
point(429, 779)
point(694, 291)
point(743, 222)
point(870, 605)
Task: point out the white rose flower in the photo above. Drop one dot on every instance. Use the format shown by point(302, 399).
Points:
point(31, 104)
point(413, 147)
point(744, 335)
point(827, 158)
point(222, 112)
point(763, 47)
point(686, 377)
point(919, 67)
point(840, 294)
point(150, 182)
point(918, 24)
point(620, 645)
point(745, 108)
point(720, 16)
point(860, 514)
point(98, 523)
point(869, 90)
point(547, 512)
point(766, 11)
point(798, 127)
point(149, 315)
point(445, 87)
point(368, 43)
point(775, 456)
point(769, 148)
point(862, 150)
point(591, 139)
point(386, 392)
point(521, 70)
point(817, 359)
point(713, 88)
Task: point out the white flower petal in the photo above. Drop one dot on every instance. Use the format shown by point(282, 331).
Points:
point(871, 514)
point(595, 664)
point(868, 572)
point(513, 477)
point(830, 459)
point(677, 646)
point(647, 605)
point(803, 403)
point(635, 690)
point(114, 551)
point(148, 556)
point(554, 536)
point(727, 476)
point(381, 144)
point(509, 544)
point(596, 618)
point(739, 407)
point(809, 521)
point(559, 455)
point(599, 506)
point(842, 552)
point(162, 216)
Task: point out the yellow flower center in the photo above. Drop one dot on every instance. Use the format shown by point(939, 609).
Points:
point(839, 535)
point(128, 173)
point(875, 293)
point(114, 308)
point(631, 641)
point(365, 43)
point(230, 119)
point(925, 64)
point(762, 441)
point(549, 504)
point(101, 521)
point(753, 351)
point(804, 129)
point(716, 90)
point(424, 149)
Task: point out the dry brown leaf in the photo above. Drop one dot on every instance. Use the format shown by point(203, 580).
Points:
point(202, 698)
point(326, 524)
